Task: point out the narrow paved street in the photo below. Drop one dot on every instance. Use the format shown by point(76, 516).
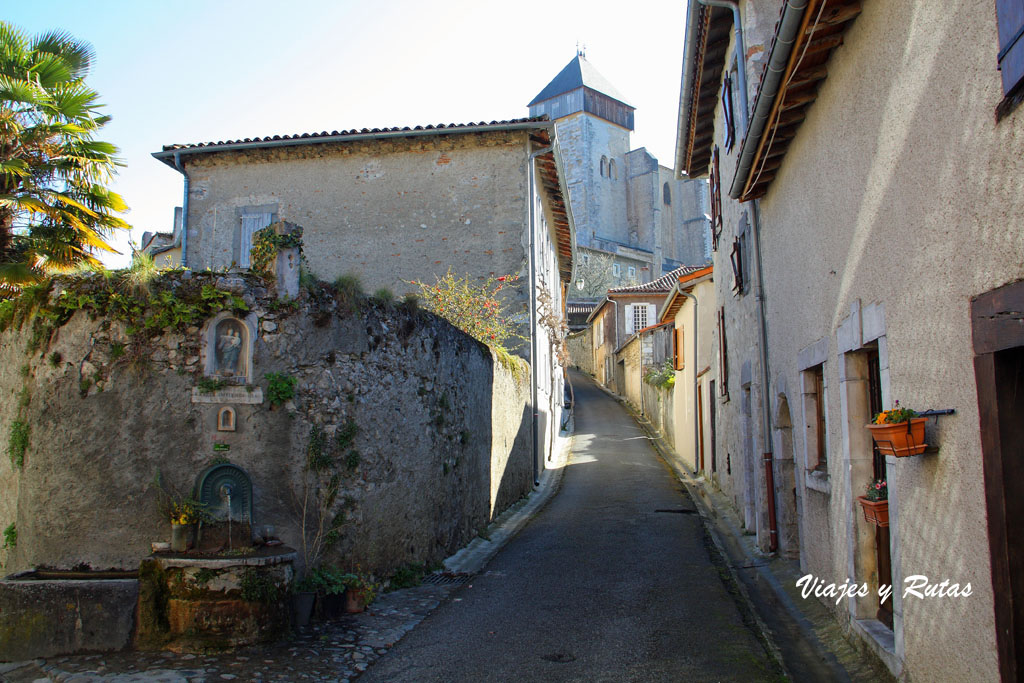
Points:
point(611, 581)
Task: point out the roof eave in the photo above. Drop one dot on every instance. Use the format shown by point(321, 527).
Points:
point(167, 155)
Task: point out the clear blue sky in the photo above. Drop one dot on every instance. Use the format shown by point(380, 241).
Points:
point(188, 71)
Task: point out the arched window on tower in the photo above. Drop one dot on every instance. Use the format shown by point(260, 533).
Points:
point(668, 195)
point(604, 166)
point(612, 171)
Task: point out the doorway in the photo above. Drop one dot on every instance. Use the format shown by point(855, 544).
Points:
point(999, 375)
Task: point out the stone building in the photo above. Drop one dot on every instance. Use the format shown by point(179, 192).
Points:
point(400, 205)
point(868, 251)
point(632, 216)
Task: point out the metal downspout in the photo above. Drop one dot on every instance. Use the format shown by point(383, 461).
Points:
point(696, 412)
point(184, 211)
point(767, 453)
point(533, 312)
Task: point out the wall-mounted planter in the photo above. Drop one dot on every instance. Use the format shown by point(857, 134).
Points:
point(900, 439)
point(875, 511)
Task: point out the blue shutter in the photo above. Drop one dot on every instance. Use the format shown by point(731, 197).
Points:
point(1010, 14)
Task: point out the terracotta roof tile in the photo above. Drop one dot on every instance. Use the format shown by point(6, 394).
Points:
point(662, 284)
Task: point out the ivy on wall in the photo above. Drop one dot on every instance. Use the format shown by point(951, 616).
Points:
point(267, 244)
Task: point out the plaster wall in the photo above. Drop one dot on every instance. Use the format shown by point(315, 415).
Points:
point(897, 202)
point(443, 433)
point(631, 358)
point(389, 210)
point(684, 402)
point(581, 350)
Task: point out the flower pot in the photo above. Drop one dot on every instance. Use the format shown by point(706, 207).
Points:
point(900, 439)
point(180, 534)
point(875, 511)
point(354, 602)
point(302, 607)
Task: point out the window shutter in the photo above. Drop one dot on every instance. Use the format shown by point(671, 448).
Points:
point(730, 134)
point(1010, 14)
point(628, 312)
point(652, 314)
point(680, 347)
point(251, 224)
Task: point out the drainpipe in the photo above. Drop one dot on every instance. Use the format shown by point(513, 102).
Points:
point(740, 49)
point(184, 211)
point(533, 312)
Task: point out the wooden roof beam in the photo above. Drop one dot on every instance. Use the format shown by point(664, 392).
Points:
point(837, 14)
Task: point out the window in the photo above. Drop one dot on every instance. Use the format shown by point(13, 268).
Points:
point(1010, 16)
point(666, 195)
point(814, 418)
point(638, 316)
point(632, 271)
point(604, 166)
point(613, 173)
point(678, 350)
point(723, 355)
point(616, 270)
point(727, 113)
point(251, 223)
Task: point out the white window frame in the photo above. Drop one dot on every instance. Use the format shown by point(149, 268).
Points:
point(616, 270)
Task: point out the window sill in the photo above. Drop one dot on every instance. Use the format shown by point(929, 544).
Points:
point(882, 641)
point(818, 481)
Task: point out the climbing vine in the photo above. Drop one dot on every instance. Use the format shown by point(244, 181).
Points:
point(267, 244)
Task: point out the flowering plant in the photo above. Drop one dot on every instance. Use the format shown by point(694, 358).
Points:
point(475, 308)
point(877, 491)
point(187, 510)
point(894, 415)
point(361, 585)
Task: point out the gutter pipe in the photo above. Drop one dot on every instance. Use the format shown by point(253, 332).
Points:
point(166, 155)
point(533, 312)
point(788, 31)
point(184, 211)
point(689, 50)
point(791, 27)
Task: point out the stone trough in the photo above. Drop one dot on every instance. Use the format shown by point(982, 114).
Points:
point(47, 613)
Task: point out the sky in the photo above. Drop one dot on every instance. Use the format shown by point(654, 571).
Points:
point(198, 71)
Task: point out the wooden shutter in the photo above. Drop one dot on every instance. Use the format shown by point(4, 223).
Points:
point(723, 355)
point(652, 314)
point(627, 311)
point(1010, 14)
point(716, 201)
point(251, 223)
point(730, 133)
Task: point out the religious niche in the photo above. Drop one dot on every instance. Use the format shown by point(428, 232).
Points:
point(226, 419)
point(228, 349)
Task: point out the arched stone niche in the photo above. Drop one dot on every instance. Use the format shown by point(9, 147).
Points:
point(226, 419)
point(228, 348)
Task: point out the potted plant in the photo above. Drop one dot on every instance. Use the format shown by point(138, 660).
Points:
point(359, 591)
point(875, 503)
point(898, 432)
point(329, 583)
point(185, 513)
point(302, 599)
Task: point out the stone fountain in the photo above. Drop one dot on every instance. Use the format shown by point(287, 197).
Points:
point(229, 590)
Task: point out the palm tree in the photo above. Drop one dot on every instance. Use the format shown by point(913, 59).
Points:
point(55, 211)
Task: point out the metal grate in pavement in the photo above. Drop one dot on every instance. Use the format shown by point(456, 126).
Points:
point(447, 579)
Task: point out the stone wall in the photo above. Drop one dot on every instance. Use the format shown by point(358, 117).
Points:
point(581, 350)
point(443, 438)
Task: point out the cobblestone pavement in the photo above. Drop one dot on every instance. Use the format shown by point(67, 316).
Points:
point(325, 651)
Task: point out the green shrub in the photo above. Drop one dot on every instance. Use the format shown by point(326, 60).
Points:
point(17, 444)
point(10, 537)
point(280, 388)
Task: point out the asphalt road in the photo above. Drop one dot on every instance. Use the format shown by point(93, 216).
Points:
point(611, 581)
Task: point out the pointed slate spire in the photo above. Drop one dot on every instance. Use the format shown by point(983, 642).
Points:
point(579, 87)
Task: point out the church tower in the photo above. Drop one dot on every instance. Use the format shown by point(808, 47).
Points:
point(592, 122)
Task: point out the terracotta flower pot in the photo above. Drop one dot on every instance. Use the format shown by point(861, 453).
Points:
point(900, 439)
point(875, 512)
point(354, 602)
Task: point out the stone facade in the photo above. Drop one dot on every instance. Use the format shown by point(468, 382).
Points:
point(443, 438)
point(864, 288)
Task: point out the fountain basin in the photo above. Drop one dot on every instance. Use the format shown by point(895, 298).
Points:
point(44, 613)
point(190, 603)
